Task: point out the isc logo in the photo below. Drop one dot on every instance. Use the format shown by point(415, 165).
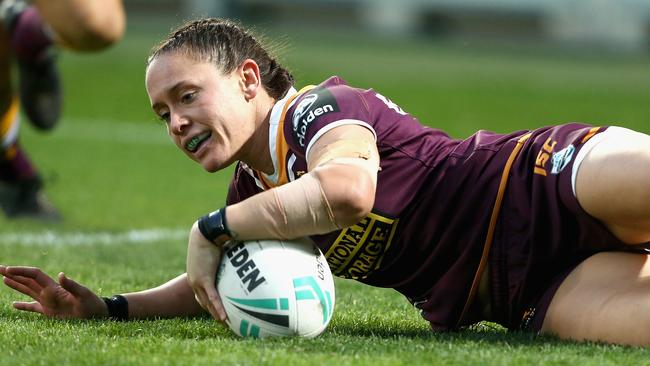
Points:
point(543, 157)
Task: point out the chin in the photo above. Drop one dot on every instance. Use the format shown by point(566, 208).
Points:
point(210, 168)
point(213, 166)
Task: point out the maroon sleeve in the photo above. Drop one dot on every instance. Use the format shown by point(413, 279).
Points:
point(328, 105)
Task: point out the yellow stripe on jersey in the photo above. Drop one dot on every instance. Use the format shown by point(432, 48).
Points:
point(590, 134)
point(9, 118)
point(281, 145)
point(493, 221)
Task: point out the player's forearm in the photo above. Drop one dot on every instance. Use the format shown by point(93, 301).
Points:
point(330, 197)
point(171, 299)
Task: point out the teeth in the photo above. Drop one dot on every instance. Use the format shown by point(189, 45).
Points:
point(194, 143)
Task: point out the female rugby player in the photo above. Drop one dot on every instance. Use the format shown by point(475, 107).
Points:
point(541, 230)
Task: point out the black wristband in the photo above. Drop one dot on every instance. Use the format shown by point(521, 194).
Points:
point(213, 226)
point(118, 307)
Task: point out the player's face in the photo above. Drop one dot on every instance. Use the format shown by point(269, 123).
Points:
point(208, 116)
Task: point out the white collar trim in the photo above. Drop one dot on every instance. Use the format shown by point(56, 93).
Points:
point(274, 122)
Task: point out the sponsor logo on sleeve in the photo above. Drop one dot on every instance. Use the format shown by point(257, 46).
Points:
point(359, 249)
point(310, 107)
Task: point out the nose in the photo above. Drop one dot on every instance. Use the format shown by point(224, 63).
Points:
point(177, 124)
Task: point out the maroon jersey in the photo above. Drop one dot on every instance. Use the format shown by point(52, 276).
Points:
point(434, 201)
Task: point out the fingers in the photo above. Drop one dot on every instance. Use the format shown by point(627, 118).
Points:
point(200, 297)
point(206, 303)
point(198, 300)
point(207, 296)
point(72, 286)
point(27, 285)
point(30, 272)
point(214, 301)
point(18, 286)
point(34, 306)
point(202, 261)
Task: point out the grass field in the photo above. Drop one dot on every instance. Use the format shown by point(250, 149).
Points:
point(128, 198)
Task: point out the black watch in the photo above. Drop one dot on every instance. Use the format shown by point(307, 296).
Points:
point(213, 226)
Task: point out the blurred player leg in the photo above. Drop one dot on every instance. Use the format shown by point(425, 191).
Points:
point(20, 186)
point(32, 46)
point(613, 183)
point(604, 299)
point(84, 25)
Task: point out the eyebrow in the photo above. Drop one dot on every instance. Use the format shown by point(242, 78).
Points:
point(170, 90)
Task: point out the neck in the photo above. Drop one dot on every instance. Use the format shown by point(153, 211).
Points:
point(259, 156)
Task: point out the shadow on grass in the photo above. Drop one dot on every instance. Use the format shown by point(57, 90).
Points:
point(204, 328)
point(479, 333)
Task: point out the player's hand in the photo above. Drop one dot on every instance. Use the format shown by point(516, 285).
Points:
point(63, 299)
point(202, 260)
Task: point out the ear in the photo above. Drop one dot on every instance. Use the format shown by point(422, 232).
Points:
point(250, 80)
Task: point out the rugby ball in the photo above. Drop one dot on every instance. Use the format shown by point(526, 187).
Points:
point(275, 288)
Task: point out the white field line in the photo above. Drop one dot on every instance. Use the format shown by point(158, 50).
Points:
point(54, 238)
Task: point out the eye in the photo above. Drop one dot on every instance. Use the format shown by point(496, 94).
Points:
point(188, 97)
point(164, 117)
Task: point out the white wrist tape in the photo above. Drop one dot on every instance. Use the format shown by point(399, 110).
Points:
point(290, 211)
point(306, 208)
point(348, 149)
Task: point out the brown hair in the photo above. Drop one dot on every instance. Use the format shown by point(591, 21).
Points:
point(227, 44)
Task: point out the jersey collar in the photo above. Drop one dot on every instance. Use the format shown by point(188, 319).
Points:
point(275, 125)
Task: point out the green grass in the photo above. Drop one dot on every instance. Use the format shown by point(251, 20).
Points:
point(110, 169)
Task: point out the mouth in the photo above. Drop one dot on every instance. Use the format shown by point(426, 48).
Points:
point(195, 142)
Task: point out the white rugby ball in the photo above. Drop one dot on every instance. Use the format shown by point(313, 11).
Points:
point(276, 288)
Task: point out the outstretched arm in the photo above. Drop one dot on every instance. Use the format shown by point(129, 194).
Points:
point(171, 299)
point(65, 298)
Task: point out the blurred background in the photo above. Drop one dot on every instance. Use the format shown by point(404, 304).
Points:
point(457, 65)
point(619, 25)
point(128, 196)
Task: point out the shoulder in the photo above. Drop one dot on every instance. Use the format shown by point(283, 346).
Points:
point(333, 95)
point(331, 103)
